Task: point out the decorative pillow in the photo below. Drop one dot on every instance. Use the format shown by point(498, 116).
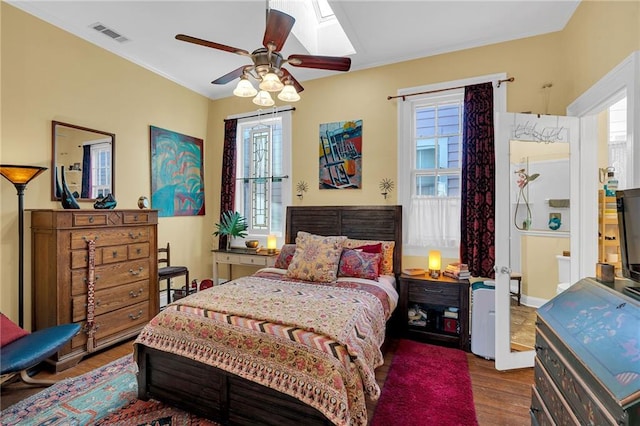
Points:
point(359, 264)
point(9, 331)
point(316, 257)
point(386, 268)
point(284, 257)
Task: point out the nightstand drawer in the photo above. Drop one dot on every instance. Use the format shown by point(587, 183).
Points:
point(433, 293)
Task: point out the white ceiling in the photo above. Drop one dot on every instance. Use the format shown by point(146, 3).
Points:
point(382, 32)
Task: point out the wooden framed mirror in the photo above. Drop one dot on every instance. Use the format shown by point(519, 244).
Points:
point(87, 157)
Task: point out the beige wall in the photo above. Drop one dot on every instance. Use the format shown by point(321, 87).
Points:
point(48, 74)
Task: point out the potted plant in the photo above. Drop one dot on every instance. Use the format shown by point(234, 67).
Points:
point(232, 225)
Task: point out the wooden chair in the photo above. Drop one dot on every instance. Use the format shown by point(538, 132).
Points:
point(167, 272)
point(516, 276)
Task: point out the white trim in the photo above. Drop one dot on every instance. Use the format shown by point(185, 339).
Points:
point(624, 77)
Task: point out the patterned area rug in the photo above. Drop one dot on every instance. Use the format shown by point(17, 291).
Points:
point(426, 385)
point(105, 396)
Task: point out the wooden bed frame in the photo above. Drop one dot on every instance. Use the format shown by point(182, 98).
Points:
point(229, 399)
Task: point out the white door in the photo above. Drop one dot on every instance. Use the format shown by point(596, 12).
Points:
point(534, 218)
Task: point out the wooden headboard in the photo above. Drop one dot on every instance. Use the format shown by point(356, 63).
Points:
point(383, 223)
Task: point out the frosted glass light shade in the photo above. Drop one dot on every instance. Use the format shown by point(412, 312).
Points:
point(245, 89)
point(271, 243)
point(271, 83)
point(263, 99)
point(289, 94)
point(435, 260)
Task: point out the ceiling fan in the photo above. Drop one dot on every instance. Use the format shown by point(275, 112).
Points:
point(267, 67)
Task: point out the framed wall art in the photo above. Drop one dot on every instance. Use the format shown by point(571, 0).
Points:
point(341, 155)
point(177, 173)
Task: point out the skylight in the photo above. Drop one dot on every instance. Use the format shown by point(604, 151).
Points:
point(316, 27)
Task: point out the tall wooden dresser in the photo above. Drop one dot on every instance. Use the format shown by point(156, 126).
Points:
point(97, 268)
point(587, 366)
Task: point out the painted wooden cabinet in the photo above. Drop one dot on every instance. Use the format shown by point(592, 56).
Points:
point(587, 365)
point(97, 268)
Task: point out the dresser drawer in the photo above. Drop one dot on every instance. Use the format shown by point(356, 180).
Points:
point(80, 258)
point(111, 299)
point(109, 237)
point(233, 259)
point(551, 398)
point(110, 275)
point(110, 324)
point(433, 293)
point(254, 260)
point(580, 396)
point(89, 219)
point(136, 217)
point(138, 251)
point(540, 416)
point(115, 254)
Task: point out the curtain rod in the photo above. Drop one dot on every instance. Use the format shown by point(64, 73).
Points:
point(259, 114)
point(506, 80)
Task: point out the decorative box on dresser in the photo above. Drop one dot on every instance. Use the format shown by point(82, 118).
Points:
point(587, 365)
point(97, 268)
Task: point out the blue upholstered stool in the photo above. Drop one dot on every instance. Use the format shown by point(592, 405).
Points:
point(31, 349)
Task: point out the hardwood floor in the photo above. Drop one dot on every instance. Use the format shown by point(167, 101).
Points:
point(500, 397)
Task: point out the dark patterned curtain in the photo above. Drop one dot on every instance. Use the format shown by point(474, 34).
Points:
point(86, 172)
point(228, 186)
point(477, 226)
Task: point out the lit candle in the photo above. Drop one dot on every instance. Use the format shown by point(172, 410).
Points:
point(271, 244)
point(434, 263)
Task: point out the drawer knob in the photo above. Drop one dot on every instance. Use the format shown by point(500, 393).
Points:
point(132, 272)
point(135, 237)
point(114, 254)
point(538, 348)
point(138, 250)
point(135, 317)
point(134, 294)
point(91, 219)
point(135, 217)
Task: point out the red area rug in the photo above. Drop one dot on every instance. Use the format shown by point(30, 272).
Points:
point(427, 385)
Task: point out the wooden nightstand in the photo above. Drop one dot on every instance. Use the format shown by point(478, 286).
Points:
point(442, 300)
point(240, 256)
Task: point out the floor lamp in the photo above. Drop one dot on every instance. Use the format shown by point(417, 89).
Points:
point(20, 176)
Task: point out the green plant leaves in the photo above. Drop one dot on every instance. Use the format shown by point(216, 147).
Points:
point(232, 224)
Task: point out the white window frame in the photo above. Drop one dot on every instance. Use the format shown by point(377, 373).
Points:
point(266, 119)
point(406, 159)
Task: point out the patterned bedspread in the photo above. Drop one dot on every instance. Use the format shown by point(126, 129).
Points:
point(318, 342)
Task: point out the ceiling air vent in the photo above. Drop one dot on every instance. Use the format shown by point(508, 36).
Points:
point(109, 32)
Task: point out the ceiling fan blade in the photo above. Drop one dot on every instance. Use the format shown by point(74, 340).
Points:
point(229, 76)
point(287, 75)
point(334, 63)
point(211, 44)
point(279, 26)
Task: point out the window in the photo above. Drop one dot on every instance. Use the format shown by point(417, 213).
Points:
point(430, 125)
point(100, 170)
point(263, 187)
point(431, 158)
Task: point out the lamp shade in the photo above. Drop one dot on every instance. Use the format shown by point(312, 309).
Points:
point(20, 175)
point(245, 89)
point(263, 99)
point(435, 260)
point(271, 83)
point(289, 94)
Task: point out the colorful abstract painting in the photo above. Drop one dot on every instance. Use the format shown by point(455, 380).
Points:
point(341, 155)
point(177, 173)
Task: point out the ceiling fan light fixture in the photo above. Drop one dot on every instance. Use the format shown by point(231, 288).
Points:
point(264, 99)
point(289, 94)
point(245, 89)
point(271, 83)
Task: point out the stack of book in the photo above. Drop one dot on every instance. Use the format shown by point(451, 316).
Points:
point(457, 270)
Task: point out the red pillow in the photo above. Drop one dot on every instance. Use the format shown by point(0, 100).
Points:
point(9, 331)
point(371, 248)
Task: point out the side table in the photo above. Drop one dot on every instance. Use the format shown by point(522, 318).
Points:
point(444, 302)
point(240, 256)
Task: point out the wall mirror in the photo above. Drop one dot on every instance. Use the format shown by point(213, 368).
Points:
point(84, 159)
